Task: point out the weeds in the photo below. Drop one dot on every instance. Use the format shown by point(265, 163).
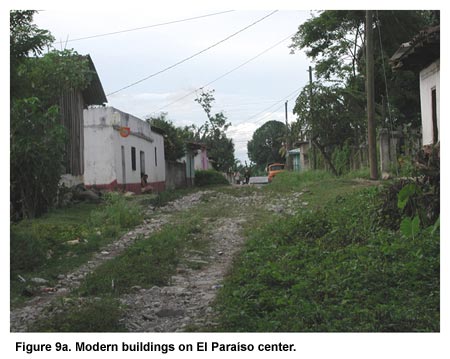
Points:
point(92, 315)
point(333, 269)
point(63, 239)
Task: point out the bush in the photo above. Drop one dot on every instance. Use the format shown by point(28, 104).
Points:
point(27, 251)
point(118, 213)
point(209, 177)
point(37, 154)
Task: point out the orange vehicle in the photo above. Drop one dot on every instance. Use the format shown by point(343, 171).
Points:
point(273, 169)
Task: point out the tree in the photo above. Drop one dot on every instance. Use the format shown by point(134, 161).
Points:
point(334, 40)
point(25, 38)
point(264, 147)
point(37, 155)
point(37, 137)
point(212, 134)
point(328, 117)
point(174, 137)
point(50, 75)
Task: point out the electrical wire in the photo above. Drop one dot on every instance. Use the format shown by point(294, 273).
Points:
point(225, 74)
point(259, 113)
point(143, 27)
point(194, 55)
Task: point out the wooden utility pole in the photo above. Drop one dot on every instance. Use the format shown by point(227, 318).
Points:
point(311, 146)
point(288, 145)
point(370, 90)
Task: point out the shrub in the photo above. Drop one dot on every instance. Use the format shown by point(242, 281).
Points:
point(209, 177)
point(27, 251)
point(118, 213)
point(37, 154)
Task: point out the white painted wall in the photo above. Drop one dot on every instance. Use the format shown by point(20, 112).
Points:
point(98, 147)
point(103, 154)
point(429, 79)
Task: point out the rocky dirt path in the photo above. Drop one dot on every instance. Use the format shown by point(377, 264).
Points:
point(186, 303)
point(22, 317)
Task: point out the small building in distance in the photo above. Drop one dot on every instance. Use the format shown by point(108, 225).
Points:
point(299, 155)
point(119, 149)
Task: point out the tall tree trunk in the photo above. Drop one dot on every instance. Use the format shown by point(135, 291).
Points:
point(325, 156)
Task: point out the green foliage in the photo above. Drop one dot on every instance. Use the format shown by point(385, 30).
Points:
point(37, 154)
point(266, 142)
point(174, 137)
point(405, 193)
point(37, 138)
point(341, 159)
point(49, 76)
point(150, 261)
point(64, 238)
point(209, 177)
point(331, 115)
point(410, 227)
point(333, 270)
point(117, 213)
point(27, 252)
point(93, 315)
point(24, 38)
point(213, 134)
point(290, 181)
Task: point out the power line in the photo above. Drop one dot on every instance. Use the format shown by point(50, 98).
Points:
point(265, 116)
point(143, 27)
point(225, 74)
point(283, 99)
point(194, 55)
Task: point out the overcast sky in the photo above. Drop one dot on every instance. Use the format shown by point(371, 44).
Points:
point(249, 96)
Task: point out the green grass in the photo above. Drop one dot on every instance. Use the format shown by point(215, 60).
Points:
point(333, 269)
point(148, 262)
point(85, 315)
point(209, 178)
point(42, 247)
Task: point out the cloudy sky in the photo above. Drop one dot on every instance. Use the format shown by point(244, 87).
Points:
point(253, 72)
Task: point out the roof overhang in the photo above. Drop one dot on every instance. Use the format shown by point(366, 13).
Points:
point(418, 53)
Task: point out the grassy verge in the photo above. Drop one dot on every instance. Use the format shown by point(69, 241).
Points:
point(332, 268)
point(63, 239)
point(95, 307)
point(148, 262)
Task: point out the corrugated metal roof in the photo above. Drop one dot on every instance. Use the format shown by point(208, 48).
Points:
point(94, 93)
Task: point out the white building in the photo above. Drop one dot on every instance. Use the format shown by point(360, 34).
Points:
point(430, 90)
point(119, 148)
point(422, 54)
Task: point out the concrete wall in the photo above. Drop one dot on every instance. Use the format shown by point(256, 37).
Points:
point(429, 79)
point(175, 175)
point(99, 156)
point(108, 159)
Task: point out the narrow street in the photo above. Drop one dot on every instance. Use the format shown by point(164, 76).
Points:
point(186, 302)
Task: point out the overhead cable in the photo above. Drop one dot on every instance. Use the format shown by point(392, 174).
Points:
point(225, 74)
point(143, 27)
point(192, 56)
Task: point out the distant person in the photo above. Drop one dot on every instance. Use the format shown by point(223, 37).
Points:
point(237, 178)
point(247, 175)
point(145, 187)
